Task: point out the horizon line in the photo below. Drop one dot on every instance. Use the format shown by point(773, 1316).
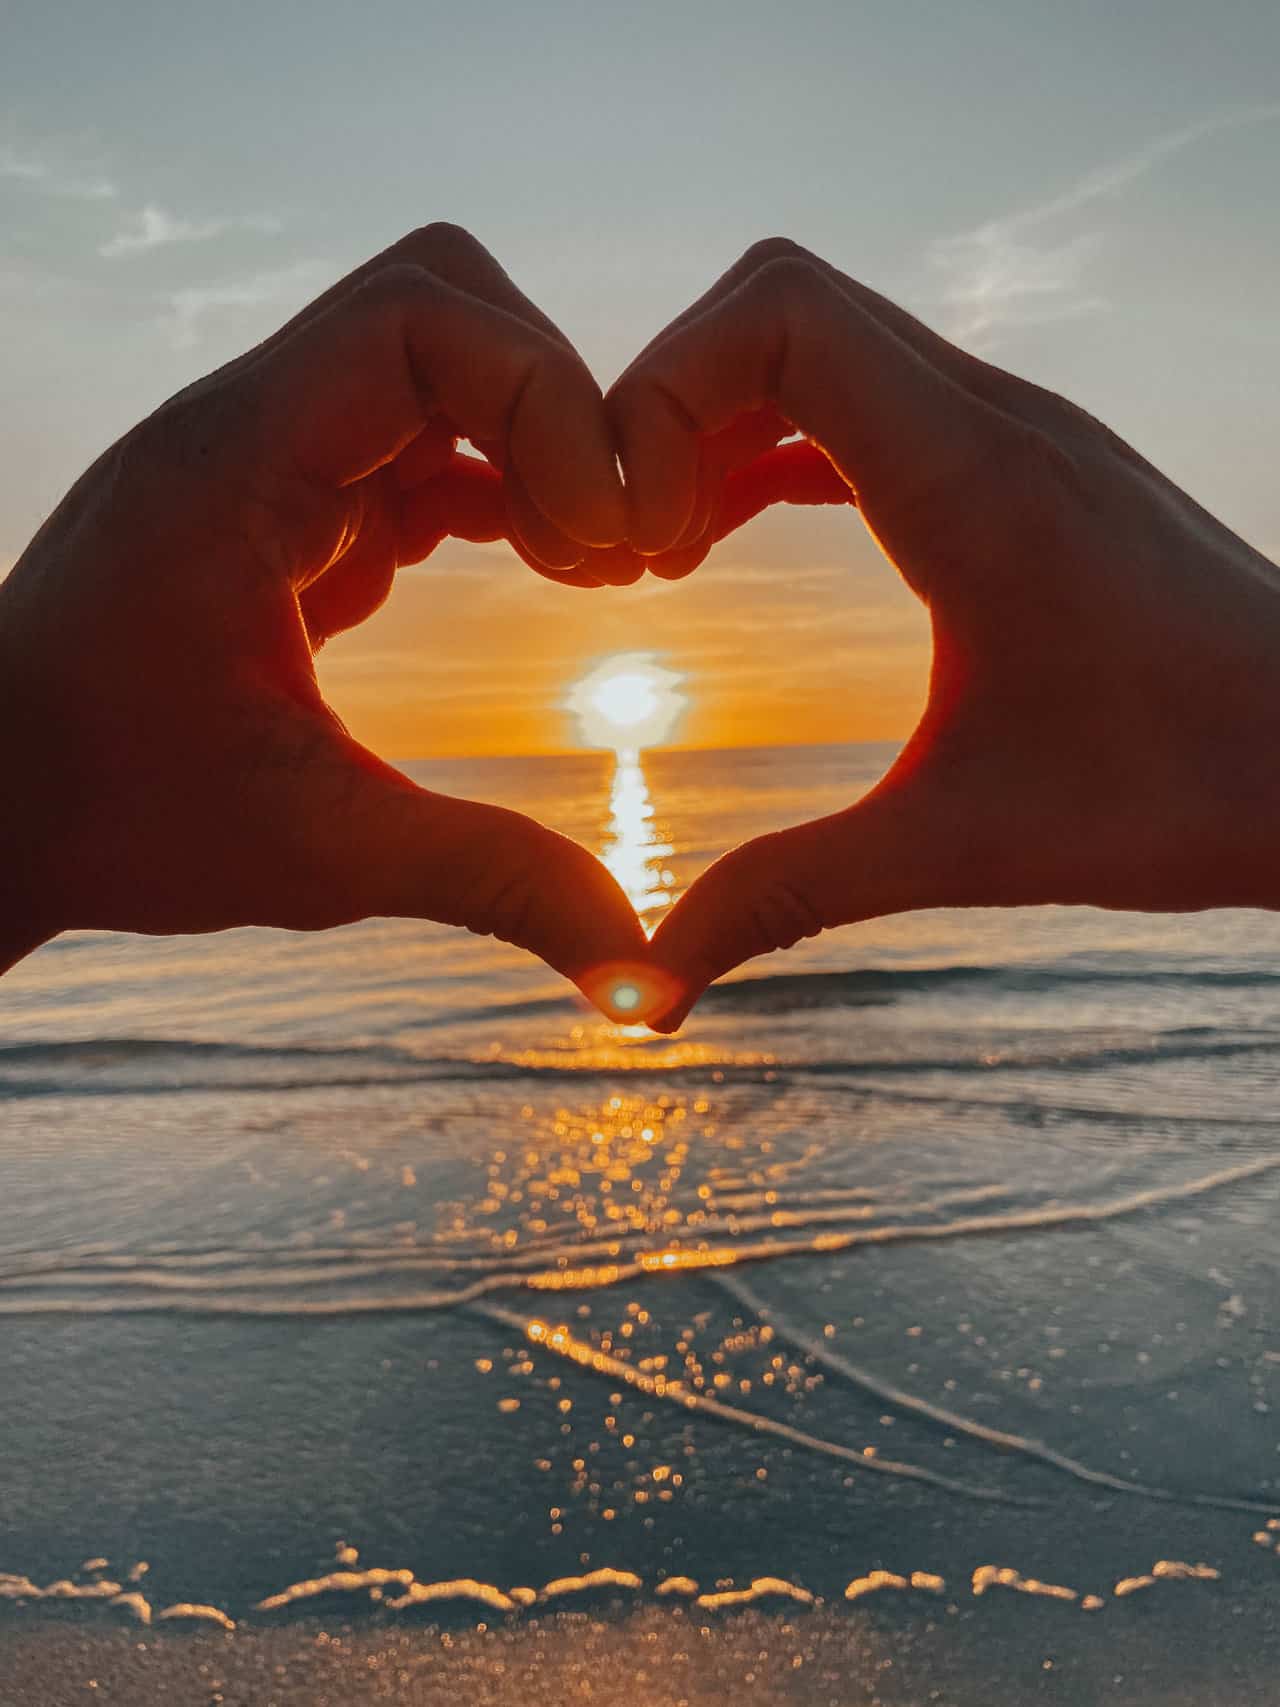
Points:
point(657, 747)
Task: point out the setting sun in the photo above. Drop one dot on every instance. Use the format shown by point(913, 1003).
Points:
point(627, 702)
point(624, 701)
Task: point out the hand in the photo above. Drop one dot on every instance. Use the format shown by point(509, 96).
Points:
point(169, 760)
point(1103, 714)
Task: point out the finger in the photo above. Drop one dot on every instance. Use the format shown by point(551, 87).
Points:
point(360, 581)
point(720, 455)
point(445, 250)
point(372, 844)
point(681, 560)
point(880, 856)
point(426, 455)
point(567, 577)
point(737, 443)
point(544, 543)
point(794, 473)
point(468, 500)
point(579, 576)
point(614, 566)
point(893, 424)
point(453, 255)
point(463, 500)
point(964, 368)
point(353, 388)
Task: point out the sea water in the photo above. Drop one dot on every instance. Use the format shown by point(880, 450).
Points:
point(928, 1274)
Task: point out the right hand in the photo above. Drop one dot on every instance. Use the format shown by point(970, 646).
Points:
point(1103, 718)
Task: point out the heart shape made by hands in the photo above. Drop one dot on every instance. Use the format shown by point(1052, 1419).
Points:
point(180, 771)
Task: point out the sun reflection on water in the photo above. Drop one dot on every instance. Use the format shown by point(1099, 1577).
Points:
point(635, 852)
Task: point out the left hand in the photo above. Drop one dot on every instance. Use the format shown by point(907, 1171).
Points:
point(169, 761)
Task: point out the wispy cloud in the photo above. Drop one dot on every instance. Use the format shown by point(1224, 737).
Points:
point(153, 228)
point(282, 287)
point(1024, 269)
point(52, 177)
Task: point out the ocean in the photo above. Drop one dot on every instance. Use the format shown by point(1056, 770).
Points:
point(910, 1321)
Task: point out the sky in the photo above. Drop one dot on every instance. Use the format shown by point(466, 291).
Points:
point(1086, 193)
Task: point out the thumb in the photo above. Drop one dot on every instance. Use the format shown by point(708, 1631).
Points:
point(391, 849)
point(793, 473)
point(884, 855)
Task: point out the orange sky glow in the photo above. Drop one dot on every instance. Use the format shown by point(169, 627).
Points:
point(796, 631)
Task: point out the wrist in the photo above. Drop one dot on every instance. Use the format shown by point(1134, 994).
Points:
point(28, 837)
point(1229, 745)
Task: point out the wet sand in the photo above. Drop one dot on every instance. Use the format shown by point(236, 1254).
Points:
point(1002, 1649)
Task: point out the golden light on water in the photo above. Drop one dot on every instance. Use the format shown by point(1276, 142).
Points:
point(636, 853)
point(635, 850)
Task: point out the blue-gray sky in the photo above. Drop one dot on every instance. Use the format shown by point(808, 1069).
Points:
point(1086, 191)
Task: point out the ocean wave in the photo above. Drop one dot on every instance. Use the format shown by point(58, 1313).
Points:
point(130, 1066)
point(790, 992)
point(59, 1283)
point(139, 1066)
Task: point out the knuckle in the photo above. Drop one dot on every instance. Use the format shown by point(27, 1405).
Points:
point(768, 249)
point(1039, 464)
point(440, 241)
point(1088, 435)
point(552, 372)
point(380, 300)
point(789, 280)
point(393, 282)
point(560, 366)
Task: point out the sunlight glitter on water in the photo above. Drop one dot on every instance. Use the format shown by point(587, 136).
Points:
point(635, 852)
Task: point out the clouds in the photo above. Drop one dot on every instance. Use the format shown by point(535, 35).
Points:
point(48, 176)
point(1026, 268)
point(285, 288)
point(997, 279)
point(50, 173)
point(91, 218)
point(153, 228)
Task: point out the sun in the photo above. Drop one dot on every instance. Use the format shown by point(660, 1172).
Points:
point(627, 702)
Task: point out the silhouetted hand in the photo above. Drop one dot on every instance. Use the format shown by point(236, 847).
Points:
point(1103, 719)
point(168, 760)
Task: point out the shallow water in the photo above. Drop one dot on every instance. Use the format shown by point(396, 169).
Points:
point(941, 1248)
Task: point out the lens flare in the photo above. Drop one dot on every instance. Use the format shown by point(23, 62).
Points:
point(630, 994)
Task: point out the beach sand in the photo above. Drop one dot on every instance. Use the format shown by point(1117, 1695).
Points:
point(1004, 1649)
